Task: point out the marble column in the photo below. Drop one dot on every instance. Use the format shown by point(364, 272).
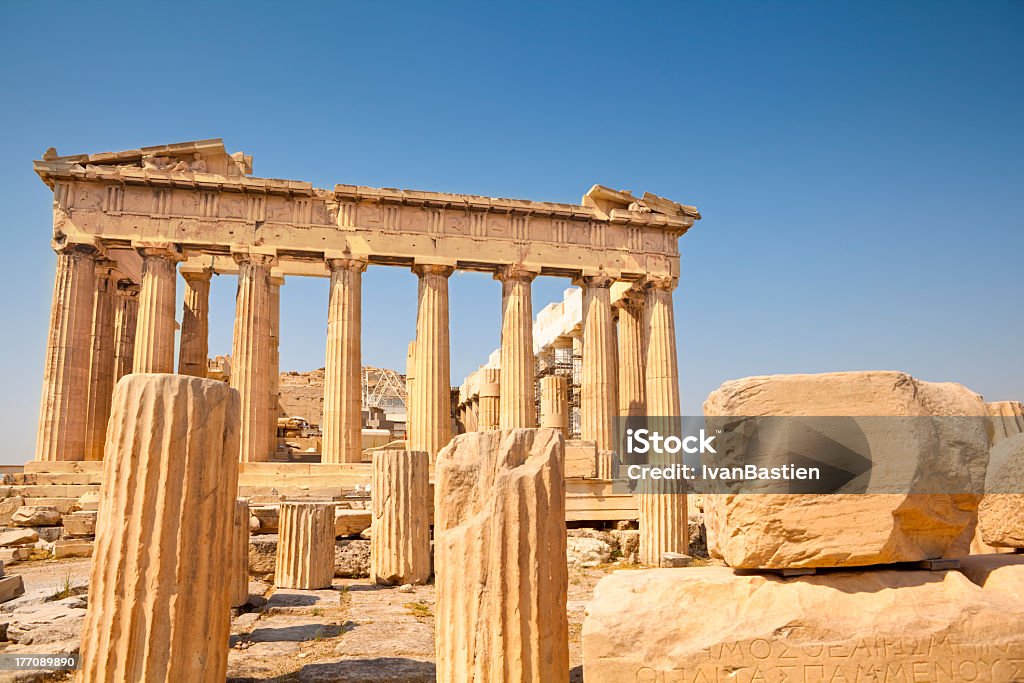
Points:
point(342, 423)
point(432, 416)
point(473, 411)
point(554, 403)
point(490, 400)
point(193, 347)
point(126, 313)
point(410, 389)
point(61, 434)
point(517, 364)
point(274, 361)
point(661, 503)
point(250, 351)
point(154, 331)
point(101, 362)
point(598, 395)
point(632, 380)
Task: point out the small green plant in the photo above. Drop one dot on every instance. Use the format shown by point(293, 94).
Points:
point(318, 612)
point(420, 610)
point(66, 590)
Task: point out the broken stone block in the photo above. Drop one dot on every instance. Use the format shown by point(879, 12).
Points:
point(1007, 419)
point(305, 546)
point(35, 515)
point(675, 560)
point(352, 558)
point(89, 501)
point(11, 587)
point(581, 551)
point(49, 533)
point(72, 548)
point(400, 534)
point(15, 554)
point(580, 459)
point(843, 530)
point(1001, 515)
point(501, 574)
point(163, 533)
point(80, 524)
point(998, 573)
point(881, 624)
point(7, 508)
point(265, 518)
point(351, 522)
point(18, 537)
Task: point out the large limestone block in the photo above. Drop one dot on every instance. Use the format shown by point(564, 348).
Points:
point(158, 593)
point(708, 624)
point(1001, 515)
point(36, 515)
point(840, 530)
point(1007, 419)
point(997, 573)
point(239, 568)
point(305, 547)
point(400, 534)
point(501, 574)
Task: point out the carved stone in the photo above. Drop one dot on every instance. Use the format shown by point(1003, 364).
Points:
point(400, 535)
point(305, 546)
point(154, 331)
point(490, 400)
point(158, 593)
point(250, 353)
point(598, 385)
point(517, 407)
point(194, 346)
point(554, 403)
point(343, 374)
point(61, 434)
point(432, 403)
point(126, 314)
point(101, 362)
point(239, 566)
point(501, 573)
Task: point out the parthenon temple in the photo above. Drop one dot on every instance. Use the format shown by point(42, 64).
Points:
point(126, 223)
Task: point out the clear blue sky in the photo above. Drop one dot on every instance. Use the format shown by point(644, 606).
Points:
point(859, 165)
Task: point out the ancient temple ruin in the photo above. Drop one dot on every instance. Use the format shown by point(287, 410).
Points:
point(126, 223)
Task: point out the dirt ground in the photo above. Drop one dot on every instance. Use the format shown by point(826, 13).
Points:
point(355, 631)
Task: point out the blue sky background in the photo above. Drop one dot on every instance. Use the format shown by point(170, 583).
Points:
point(858, 164)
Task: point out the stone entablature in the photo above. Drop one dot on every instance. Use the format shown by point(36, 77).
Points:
point(171, 194)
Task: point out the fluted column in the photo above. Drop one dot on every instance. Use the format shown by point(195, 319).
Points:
point(632, 379)
point(61, 434)
point(554, 403)
point(517, 363)
point(400, 535)
point(101, 362)
point(660, 362)
point(410, 385)
point(239, 554)
point(250, 352)
point(342, 440)
point(473, 411)
point(154, 331)
point(126, 313)
point(274, 361)
point(432, 415)
point(305, 546)
point(598, 396)
point(490, 400)
point(193, 348)
point(159, 591)
point(661, 503)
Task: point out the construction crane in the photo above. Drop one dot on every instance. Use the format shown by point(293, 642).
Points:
point(386, 392)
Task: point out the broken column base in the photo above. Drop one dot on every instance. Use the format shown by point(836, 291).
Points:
point(709, 624)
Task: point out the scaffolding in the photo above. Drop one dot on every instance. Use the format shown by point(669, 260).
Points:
point(566, 362)
point(384, 389)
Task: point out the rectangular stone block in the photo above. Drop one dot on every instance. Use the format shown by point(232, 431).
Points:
point(351, 522)
point(72, 548)
point(80, 524)
point(843, 530)
point(11, 587)
point(580, 459)
point(710, 624)
point(16, 554)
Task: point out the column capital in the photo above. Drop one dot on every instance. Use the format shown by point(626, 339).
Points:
point(594, 281)
point(632, 298)
point(357, 265)
point(128, 289)
point(161, 250)
point(515, 272)
point(254, 258)
point(105, 268)
point(76, 248)
point(661, 283)
point(276, 280)
point(203, 275)
point(422, 269)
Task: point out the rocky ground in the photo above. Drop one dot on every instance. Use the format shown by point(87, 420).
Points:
point(355, 631)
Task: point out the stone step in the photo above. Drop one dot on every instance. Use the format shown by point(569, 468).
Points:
point(53, 490)
point(63, 466)
point(54, 478)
